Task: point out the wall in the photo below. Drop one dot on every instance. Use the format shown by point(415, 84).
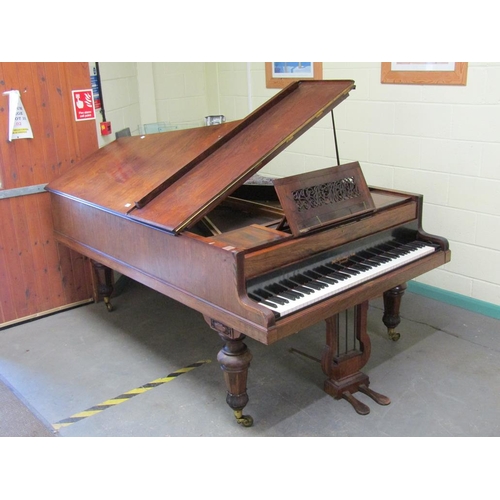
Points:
point(135, 94)
point(120, 96)
point(441, 141)
point(180, 92)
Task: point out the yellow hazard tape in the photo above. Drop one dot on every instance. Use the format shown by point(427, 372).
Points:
point(125, 396)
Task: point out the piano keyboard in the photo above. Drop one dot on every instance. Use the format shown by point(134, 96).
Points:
point(295, 291)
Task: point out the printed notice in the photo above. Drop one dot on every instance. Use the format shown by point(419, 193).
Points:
point(19, 125)
point(423, 66)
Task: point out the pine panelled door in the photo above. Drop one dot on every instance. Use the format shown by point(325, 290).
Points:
point(37, 275)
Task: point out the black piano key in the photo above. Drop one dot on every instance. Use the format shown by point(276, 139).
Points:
point(372, 256)
point(386, 257)
point(410, 247)
point(394, 254)
point(359, 267)
point(261, 300)
point(388, 247)
point(275, 288)
point(254, 297)
point(393, 244)
point(436, 246)
point(282, 292)
point(279, 300)
point(393, 250)
point(269, 304)
point(406, 248)
point(331, 272)
point(366, 261)
point(318, 276)
point(349, 267)
point(369, 254)
point(300, 279)
point(291, 288)
point(382, 260)
point(418, 243)
point(379, 252)
point(421, 244)
point(298, 288)
point(342, 269)
point(389, 251)
point(262, 293)
point(340, 276)
point(270, 297)
point(366, 254)
point(313, 283)
point(396, 251)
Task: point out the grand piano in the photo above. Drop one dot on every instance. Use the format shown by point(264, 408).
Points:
point(177, 211)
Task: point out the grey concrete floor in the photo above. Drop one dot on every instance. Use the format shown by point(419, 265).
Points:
point(442, 376)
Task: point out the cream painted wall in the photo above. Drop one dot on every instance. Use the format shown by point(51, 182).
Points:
point(441, 141)
point(120, 94)
point(135, 94)
point(181, 93)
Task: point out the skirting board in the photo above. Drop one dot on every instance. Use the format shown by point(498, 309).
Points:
point(455, 299)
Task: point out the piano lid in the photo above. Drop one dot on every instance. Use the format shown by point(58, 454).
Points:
point(172, 179)
point(130, 169)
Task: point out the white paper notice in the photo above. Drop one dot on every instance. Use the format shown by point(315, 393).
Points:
point(423, 66)
point(19, 125)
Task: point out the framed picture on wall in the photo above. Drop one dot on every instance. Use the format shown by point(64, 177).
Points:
point(425, 73)
point(280, 74)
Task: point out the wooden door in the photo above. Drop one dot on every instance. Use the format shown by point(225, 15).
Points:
point(38, 276)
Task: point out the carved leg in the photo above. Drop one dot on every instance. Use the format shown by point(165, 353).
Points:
point(104, 277)
point(234, 359)
point(392, 304)
point(343, 358)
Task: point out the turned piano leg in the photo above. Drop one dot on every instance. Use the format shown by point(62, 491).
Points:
point(392, 305)
point(347, 350)
point(234, 359)
point(104, 276)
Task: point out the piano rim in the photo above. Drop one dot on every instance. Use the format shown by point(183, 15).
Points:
point(279, 328)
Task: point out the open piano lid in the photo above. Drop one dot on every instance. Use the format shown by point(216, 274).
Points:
point(171, 180)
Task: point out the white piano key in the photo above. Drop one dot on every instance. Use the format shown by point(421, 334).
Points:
point(333, 289)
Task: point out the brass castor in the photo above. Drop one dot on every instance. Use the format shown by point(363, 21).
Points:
point(393, 334)
point(244, 420)
point(109, 307)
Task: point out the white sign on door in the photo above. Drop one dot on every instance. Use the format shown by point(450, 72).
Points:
point(19, 124)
